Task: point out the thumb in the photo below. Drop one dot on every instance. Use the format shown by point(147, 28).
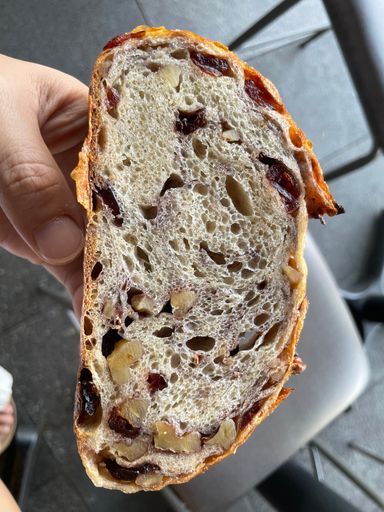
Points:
point(34, 194)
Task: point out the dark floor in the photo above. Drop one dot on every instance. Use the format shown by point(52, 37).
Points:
point(39, 345)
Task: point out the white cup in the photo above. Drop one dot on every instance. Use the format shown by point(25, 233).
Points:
point(6, 382)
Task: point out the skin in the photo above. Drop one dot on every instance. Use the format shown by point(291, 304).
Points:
point(44, 121)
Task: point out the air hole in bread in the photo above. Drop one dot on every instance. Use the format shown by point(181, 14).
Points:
point(175, 360)
point(189, 121)
point(153, 66)
point(174, 378)
point(88, 327)
point(203, 343)
point(143, 258)
point(180, 54)
point(217, 257)
point(228, 280)
point(129, 262)
point(248, 339)
point(261, 319)
point(174, 181)
point(148, 211)
point(201, 189)
point(164, 332)
point(167, 308)
point(199, 148)
point(102, 138)
point(88, 345)
point(96, 270)
point(235, 228)
point(239, 196)
point(246, 273)
point(197, 271)
point(210, 226)
point(109, 340)
point(270, 336)
point(217, 312)
point(235, 266)
point(225, 202)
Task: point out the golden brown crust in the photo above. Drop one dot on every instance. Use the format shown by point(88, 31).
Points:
point(319, 202)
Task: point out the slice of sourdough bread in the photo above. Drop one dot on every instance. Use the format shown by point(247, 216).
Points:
point(197, 185)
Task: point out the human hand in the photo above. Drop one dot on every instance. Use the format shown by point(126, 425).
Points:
point(6, 419)
point(43, 123)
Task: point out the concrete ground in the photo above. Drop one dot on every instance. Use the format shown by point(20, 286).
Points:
point(39, 345)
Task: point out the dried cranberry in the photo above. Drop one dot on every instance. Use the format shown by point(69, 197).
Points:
point(97, 268)
point(283, 181)
point(121, 473)
point(90, 399)
point(215, 66)
point(113, 98)
point(156, 382)
point(109, 341)
point(257, 91)
point(188, 122)
point(120, 39)
point(109, 199)
point(121, 425)
point(250, 413)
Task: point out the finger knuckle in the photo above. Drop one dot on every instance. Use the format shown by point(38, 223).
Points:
point(29, 181)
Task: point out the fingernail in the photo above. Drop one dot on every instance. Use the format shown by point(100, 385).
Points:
point(59, 241)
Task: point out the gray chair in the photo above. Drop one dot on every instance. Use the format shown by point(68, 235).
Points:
point(337, 373)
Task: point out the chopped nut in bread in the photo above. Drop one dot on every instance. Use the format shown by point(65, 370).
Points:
point(225, 436)
point(134, 410)
point(142, 303)
point(166, 439)
point(124, 355)
point(182, 301)
point(132, 451)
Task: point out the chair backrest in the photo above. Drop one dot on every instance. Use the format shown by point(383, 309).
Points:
point(359, 28)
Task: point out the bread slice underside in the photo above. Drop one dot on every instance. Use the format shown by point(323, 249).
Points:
point(197, 185)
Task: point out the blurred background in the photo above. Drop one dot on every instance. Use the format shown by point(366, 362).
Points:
point(38, 340)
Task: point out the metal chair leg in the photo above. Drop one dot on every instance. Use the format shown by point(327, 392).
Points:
point(355, 164)
point(268, 18)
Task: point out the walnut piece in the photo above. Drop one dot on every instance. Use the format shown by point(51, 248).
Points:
point(225, 436)
point(294, 276)
point(134, 410)
point(132, 451)
point(182, 301)
point(149, 480)
point(231, 135)
point(166, 439)
point(171, 74)
point(124, 355)
point(142, 303)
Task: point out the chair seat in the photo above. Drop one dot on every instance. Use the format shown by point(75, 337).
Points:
point(337, 372)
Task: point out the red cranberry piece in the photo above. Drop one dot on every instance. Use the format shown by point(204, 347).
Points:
point(113, 98)
point(188, 122)
point(257, 91)
point(250, 413)
point(109, 199)
point(121, 425)
point(109, 341)
point(97, 268)
point(215, 66)
point(120, 39)
point(90, 399)
point(156, 382)
point(121, 473)
point(283, 181)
